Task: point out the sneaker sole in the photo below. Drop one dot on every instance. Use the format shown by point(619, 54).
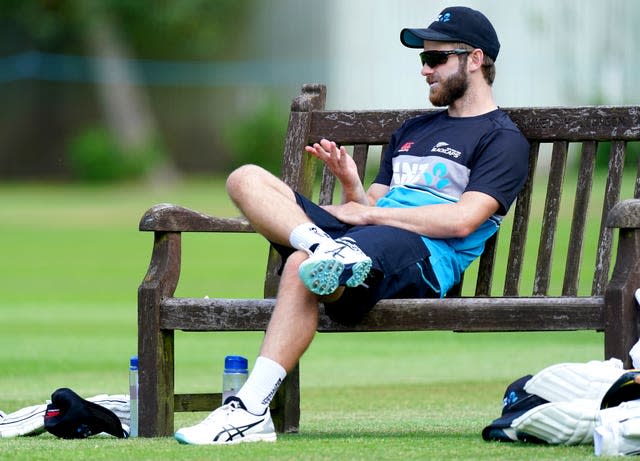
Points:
point(321, 276)
point(272, 437)
point(359, 272)
point(324, 276)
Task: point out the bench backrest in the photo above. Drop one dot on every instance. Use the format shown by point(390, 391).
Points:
point(556, 134)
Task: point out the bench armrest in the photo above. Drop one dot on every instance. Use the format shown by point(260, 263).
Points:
point(625, 215)
point(166, 217)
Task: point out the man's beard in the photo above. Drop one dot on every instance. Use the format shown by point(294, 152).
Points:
point(451, 89)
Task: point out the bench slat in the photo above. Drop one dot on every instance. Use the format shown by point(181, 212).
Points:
point(197, 402)
point(611, 197)
point(636, 189)
point(328, 181)
point(457, 314)
point(360, 155)
point(520, 227)
point(484, 281)
point(579, 221)
point(540, 124)
point(200, 402)
point(550, 218)
point(327, 186)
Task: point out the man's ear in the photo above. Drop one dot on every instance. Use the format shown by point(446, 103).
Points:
point(475, 59)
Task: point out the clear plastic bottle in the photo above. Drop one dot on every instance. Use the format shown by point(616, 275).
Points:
point(234, 376)
point(133, 395)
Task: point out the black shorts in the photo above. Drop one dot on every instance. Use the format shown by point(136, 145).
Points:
point(400, 264)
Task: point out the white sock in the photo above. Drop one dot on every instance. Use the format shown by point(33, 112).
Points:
point(304, 236)
point(261, 386)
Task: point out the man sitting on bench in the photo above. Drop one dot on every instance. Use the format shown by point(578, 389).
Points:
point(445, 183)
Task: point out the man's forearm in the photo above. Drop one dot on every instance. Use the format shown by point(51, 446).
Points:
point(452, 220)
point(355, 193)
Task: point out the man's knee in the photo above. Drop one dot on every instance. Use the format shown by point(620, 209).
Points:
point(290, 275)
point(292, 264)
point(242, 177)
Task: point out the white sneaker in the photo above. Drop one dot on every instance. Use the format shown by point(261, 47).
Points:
point(334, 263)
point(229, 424)
point(26, 421)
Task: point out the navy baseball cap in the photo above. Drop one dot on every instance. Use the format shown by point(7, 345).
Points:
point(515, 403)
point(456, 24)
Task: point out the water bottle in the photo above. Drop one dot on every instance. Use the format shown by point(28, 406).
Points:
point(234, 376)
point(133, 396)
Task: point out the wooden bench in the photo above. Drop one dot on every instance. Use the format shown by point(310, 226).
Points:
point(608, 304)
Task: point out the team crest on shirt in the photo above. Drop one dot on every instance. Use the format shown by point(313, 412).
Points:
point(444, 148)
point(406, 147)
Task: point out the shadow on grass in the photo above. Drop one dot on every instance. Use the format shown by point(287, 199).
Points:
point(437, 443)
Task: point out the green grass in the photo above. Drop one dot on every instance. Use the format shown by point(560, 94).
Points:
point(72, 259)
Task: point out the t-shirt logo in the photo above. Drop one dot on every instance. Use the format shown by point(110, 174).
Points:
point(444, 148)
point(406, 147)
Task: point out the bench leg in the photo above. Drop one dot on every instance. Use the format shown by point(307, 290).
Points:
point(156, 384)
point(621, 328)
point(156, 346)
point(621, 322)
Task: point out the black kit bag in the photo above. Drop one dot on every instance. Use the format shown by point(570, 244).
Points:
point(69, 416)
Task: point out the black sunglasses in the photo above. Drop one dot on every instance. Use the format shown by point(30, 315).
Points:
point(435, 58)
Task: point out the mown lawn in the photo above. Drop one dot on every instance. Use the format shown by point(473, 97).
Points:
point(72, 259)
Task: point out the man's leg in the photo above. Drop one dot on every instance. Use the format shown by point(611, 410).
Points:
point(266, 201)
point(294, 320)
point(273, 210)
point(291, 329)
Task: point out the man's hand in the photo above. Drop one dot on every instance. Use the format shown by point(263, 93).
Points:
point(352, 213)
point(337, 159)
point(342, 166)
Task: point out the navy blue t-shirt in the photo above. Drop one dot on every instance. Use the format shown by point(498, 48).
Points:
point(435, 158)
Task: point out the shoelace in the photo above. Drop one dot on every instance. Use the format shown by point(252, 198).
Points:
point(227, 409)
point(335, 252)
point(346, 242)
point(342, 243)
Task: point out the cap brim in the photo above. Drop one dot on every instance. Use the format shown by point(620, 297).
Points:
point(500, 430)
point(496, 430)
point(414, 38)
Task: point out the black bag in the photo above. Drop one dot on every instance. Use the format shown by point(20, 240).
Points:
point(69, 416)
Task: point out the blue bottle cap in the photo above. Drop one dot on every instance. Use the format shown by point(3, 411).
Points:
point(235, 364)
point(133, 362)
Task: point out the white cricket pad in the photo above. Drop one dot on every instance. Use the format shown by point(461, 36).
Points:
point(564, 382)
point(617, 430)
point(566, 423)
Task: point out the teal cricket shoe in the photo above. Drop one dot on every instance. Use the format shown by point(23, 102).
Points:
point(334, 263)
